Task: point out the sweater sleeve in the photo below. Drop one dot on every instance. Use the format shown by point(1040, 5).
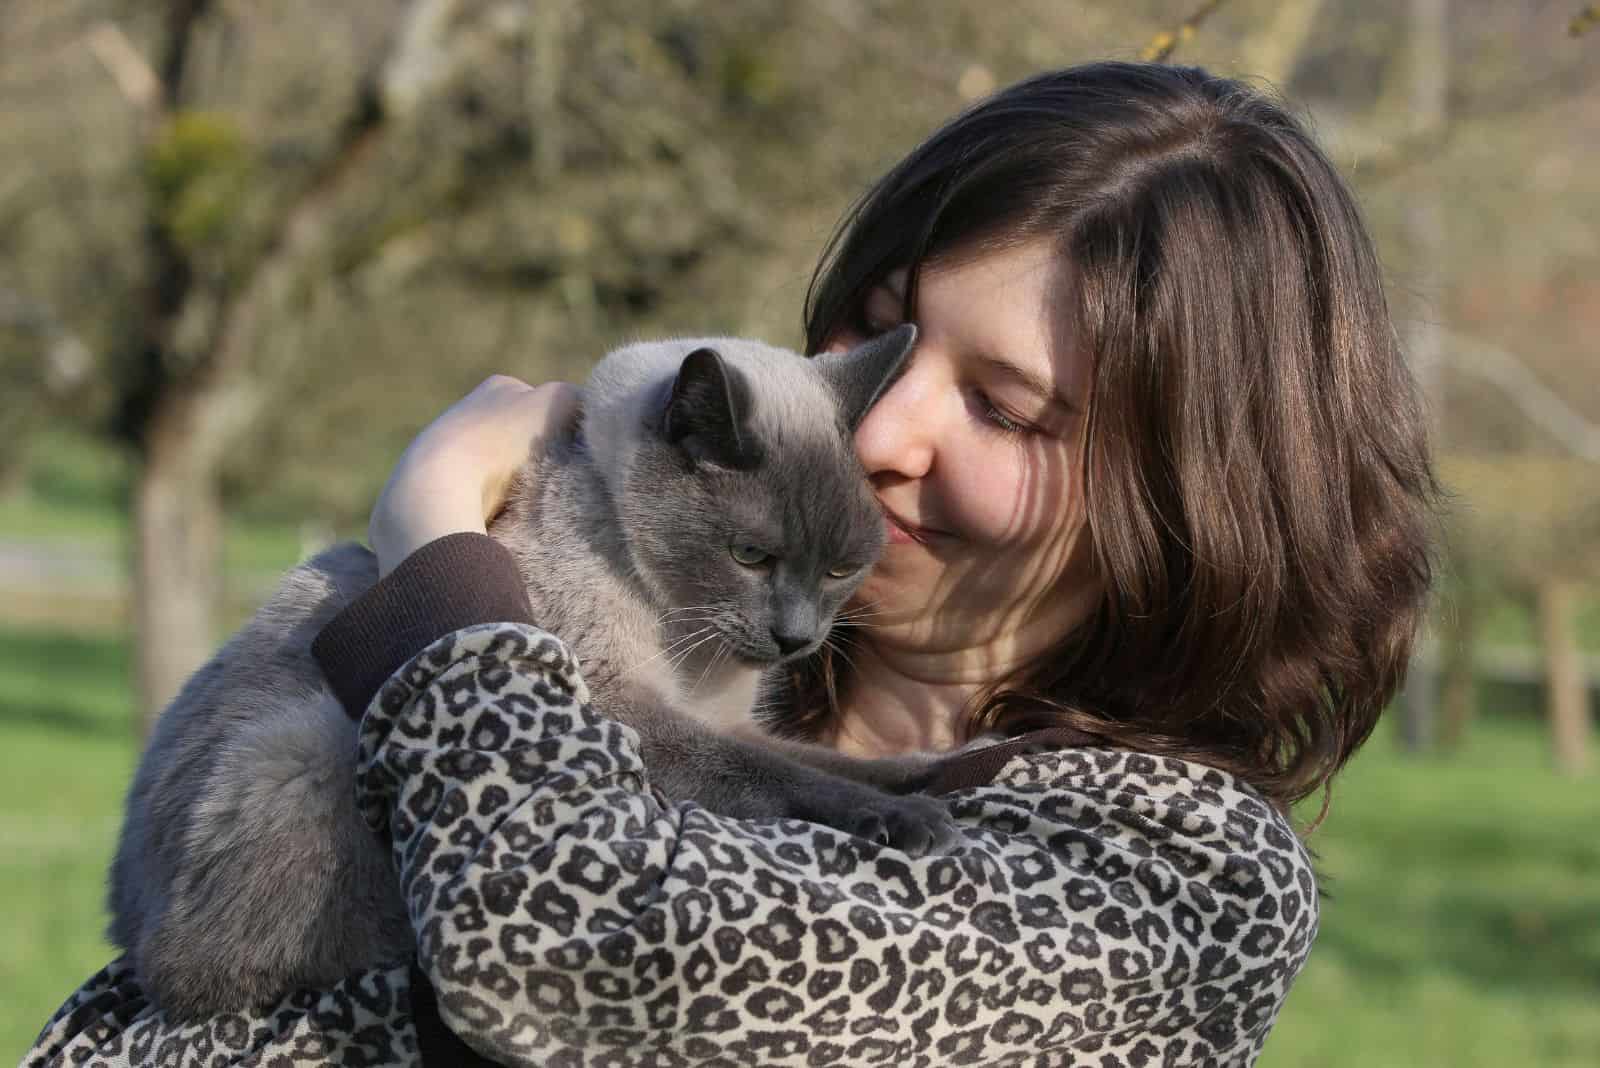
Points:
point(452, 582)
point(1106, 906)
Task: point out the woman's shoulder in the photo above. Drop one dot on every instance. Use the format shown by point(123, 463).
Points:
point(1122, 771)
point(1157, 819)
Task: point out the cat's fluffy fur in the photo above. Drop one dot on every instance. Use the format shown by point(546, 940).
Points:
point(244, 868)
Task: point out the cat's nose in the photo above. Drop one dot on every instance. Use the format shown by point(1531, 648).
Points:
point(789, 644)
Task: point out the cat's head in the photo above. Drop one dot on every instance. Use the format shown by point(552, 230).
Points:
point(744, 508)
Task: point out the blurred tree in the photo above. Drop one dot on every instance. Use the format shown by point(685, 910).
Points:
point(1527, 525)
point(265, 164)
point(1426, 231)
point(341, 216)
point(266, 242)
point(1474, 186)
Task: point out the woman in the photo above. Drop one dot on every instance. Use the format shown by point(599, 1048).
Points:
point(1157, 490)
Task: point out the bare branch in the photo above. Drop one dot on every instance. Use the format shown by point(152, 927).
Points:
point(1394, 157)
point(887, 43)
point(1161, 47)
point(1585, 20)
point(548, 30)
point(67, 361)
point(183, 16)
point(419, 61)
point(138, 83)
point(1273, 53)
point(1541, 404)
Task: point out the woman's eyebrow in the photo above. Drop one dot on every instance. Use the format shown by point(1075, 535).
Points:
point(1027, 379)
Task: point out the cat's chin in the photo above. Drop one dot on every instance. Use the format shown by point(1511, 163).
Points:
point(762, 660)
point(766, 661)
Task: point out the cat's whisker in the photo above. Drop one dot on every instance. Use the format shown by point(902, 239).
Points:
point(699, 624)
point(678, 659)
point(686, 621)
point(691, 636)
point(685, 652)
point(839, 648)
point(858, 617)
point(668, 651)
point(684, 610)
point(715, 659)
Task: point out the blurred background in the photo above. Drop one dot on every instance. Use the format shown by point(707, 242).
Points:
point(247, 249)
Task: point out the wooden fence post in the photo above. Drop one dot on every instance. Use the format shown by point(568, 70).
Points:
point(1566, 684)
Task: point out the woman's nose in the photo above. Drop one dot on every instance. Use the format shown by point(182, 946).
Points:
point(898, 432)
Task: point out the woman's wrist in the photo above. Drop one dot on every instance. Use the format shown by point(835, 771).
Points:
point(418, 508)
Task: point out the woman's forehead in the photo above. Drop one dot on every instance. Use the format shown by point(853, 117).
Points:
point(1011, 306)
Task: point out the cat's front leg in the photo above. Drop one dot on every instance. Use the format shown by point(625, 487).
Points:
point(750, 776)
point(902, 773)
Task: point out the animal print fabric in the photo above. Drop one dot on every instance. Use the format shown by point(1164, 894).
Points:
point(1106, 908)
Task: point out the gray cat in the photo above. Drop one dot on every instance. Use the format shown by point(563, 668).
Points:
point(705, 525)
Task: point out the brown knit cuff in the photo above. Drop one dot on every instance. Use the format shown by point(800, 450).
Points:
point(456, 581)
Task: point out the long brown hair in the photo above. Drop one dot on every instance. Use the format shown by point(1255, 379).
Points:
point(1256, 473)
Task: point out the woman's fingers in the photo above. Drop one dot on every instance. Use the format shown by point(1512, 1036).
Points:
point(455, 475)
point(531, 416)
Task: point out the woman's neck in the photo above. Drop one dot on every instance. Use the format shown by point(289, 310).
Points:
point(898, 704)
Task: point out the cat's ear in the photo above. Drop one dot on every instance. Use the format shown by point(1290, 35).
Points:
point(707, 413)
point(860, 375)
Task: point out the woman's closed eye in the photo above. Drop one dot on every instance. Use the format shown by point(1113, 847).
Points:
point(999, 420)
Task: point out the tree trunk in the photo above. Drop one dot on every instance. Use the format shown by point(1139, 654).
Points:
point(1566, 688)
point(177, 558)
point(14, 462)
point(1458, 683)
point(1430, 67)
point(1274, 53)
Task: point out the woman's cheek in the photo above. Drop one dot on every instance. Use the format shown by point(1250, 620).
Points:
point(987, 508)
point(1016, 498)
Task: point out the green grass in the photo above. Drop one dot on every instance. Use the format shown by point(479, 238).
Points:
point(65, 730)
point(1511, 620)
point(76, 494)
point(1463, 928)
point(1463, 922)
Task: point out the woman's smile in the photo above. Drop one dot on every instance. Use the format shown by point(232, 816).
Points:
point(902, 531)
point(972, 454)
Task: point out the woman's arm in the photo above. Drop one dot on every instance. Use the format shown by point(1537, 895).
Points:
point(1102, 902)
point(560, 905)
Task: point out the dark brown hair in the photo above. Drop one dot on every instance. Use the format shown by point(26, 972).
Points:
point(1256, 472)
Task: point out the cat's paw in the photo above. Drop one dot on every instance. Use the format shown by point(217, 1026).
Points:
point(918, 826)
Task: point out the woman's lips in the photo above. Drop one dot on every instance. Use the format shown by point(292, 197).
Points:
point(901, 532)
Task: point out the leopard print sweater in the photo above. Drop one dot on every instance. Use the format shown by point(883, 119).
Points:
point(1106, 908)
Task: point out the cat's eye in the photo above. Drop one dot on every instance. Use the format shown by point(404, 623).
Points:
point(749, 555)
point(842, 572)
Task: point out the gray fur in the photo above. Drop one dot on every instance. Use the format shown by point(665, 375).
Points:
point(244, 869)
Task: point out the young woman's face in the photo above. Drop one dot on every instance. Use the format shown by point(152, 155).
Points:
point(974, 455)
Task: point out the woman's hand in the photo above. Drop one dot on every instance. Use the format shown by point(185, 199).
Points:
point(454, 476)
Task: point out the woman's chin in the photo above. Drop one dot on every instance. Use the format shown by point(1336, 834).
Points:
point(895, 592)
